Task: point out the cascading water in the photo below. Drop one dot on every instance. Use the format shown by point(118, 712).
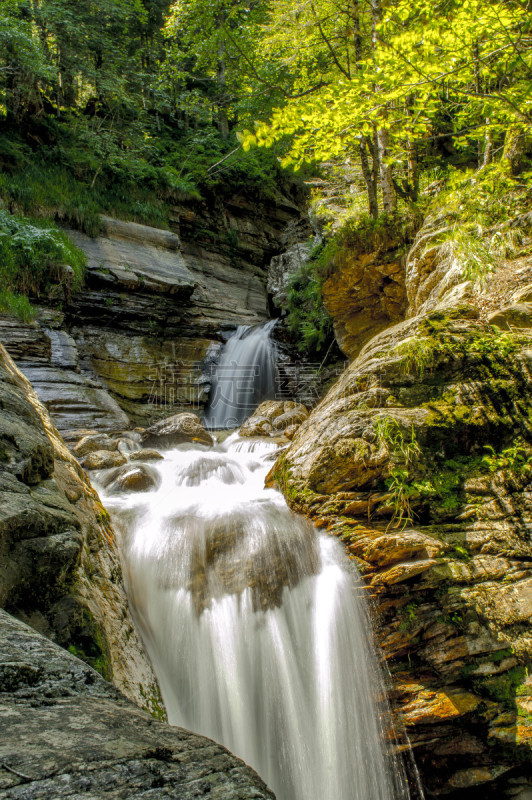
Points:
point(243, 378)
point(256, 625)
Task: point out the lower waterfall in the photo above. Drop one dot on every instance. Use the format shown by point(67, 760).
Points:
point(256, 625)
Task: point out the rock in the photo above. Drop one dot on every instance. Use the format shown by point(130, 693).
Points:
point(59, 565)
point(73, 734)
point(365, 293)
point(256, 426)
point(523, 295)
point(103, 459)
point(292, 417)
point(290, 432)
point(431, 278)
point(145, 455)
point(282, 268)
point(392, 459)
point(93, 442)
point(518, 315)
point(273, 417)
point(180, 428)
point(131, 478)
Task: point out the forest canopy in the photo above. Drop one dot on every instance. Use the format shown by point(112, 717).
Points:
point(152, 94)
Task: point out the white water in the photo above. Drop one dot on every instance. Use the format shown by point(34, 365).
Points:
point(256, 625)
point(243, 378)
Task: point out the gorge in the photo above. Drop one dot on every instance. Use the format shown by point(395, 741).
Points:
point(265, 400)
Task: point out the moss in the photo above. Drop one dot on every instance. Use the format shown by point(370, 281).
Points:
point(503, 688)
point(153, 702)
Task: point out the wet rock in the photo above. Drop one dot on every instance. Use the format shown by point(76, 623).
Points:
point(145, 455)
point(290, 432)
point(256, 426)
point(93, 442)
point(291, 417)
point(131, 478)
point(71, 733)
point(103, 459)
point(228, 560)
point(180, 428)
point(59, 565)
point(392, 460)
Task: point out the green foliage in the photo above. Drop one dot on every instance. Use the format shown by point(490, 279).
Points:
point(515, 459)
point(17, 305)
point(503, 688)
point(404, 455)
point(33, 257)
point(307, 318)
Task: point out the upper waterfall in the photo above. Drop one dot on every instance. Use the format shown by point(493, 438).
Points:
point(244, 376)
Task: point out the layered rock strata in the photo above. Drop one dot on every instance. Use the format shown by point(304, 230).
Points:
point(420, 458)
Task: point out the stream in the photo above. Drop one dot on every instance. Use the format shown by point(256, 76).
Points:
point(256, 625)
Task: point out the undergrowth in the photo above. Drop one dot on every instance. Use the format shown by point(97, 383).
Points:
point(35, 257)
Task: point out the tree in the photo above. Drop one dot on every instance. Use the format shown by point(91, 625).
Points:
point(381, 85)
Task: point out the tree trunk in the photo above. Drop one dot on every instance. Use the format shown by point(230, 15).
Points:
point(369, 178)
point(515, 148)
point(389, 197)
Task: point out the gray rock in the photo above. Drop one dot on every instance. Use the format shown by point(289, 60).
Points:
point(282, 268)
point(131, 478)
point(71, 734)
point(146, 455)
point(59, 566)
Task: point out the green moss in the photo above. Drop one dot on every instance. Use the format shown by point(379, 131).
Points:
point(503, 688)
point(153, 702)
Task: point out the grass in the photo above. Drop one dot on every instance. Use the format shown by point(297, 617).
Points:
point(35, 256)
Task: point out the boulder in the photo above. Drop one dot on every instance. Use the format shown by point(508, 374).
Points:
point(72, 734)
point(93, 443)
point(517, 315)
point(131, 478)
point(178, 429)
point(103, 459)
point(145, 455)
point(59, 563)
point(273, 417)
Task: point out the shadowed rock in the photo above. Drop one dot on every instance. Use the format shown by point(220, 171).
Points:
point(72, 734)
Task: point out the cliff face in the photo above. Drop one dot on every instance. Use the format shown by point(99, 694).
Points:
point(420, 459)
point(131, 345)
point(59, 565)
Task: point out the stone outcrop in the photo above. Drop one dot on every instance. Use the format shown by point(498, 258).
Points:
point(59, 564)
point(420, 458)
point(273, 418)
point(281, 269)
point(365, 292)
point(69, 733)
point(178, 429)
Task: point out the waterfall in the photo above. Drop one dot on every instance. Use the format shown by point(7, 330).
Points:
point(243, 378)
point(256, 625)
